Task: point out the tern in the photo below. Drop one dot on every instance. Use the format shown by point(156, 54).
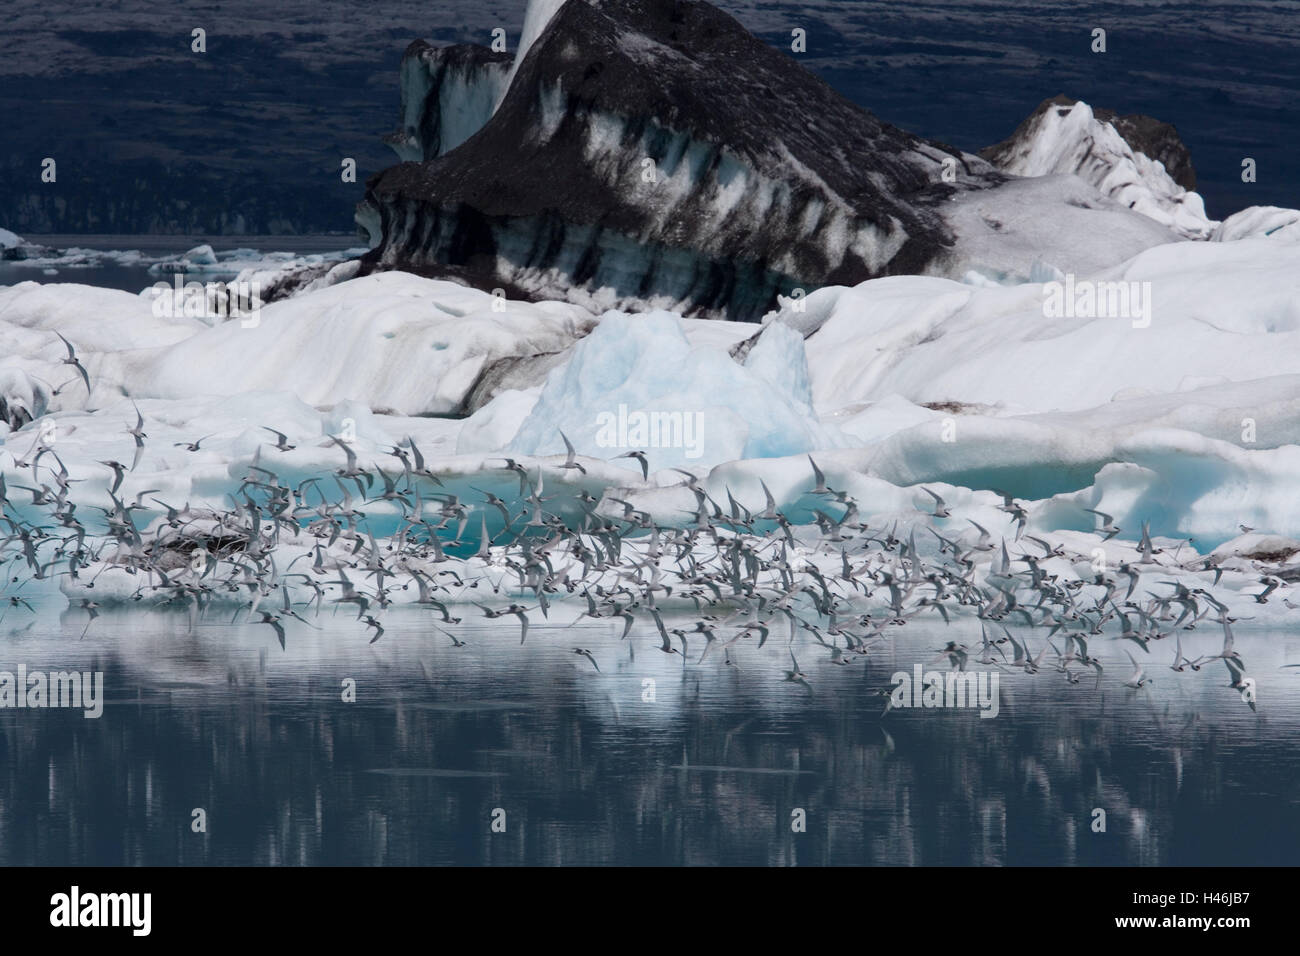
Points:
point(419, 467)
point(832, 576)
point(371, 622)
point(75, 363)
point(1108, 527)
point(796, 676)
point(570, 455)
point(138, 434)
point(351, 595)
point(518, 469)
point(641, 459)
point(191, 445)
point(940, 509)
point(1139, 678)
point(820, 479)
point(1271, 584)
point(274, 621)
point(497, 503)
point(119, 473)
point(666, 644)
point(515, 609)
point(281, 440)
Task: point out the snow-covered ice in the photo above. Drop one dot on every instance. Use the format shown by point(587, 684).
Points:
point(694, 407)
point(1185, 417)
point(1070, 139)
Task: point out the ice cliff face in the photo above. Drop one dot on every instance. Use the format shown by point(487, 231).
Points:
point(448, 93)
point(1135, 160)
point(651, 153)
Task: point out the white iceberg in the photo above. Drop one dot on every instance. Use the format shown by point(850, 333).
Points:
point(637, 383)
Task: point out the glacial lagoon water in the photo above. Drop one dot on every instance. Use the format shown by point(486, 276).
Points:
point(588, 770)
point(134, 276)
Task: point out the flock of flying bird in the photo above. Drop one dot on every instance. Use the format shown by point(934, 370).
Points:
point(734, 574)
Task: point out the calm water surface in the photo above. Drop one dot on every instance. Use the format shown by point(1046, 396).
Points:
point(589, 771)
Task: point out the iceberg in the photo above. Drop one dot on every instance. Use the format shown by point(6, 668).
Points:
point(647, 155)
point(1065, 136)
point(637, 383)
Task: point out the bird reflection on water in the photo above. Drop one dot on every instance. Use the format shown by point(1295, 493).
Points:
point(589, 771)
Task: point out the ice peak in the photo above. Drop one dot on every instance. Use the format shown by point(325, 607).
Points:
point(536, 17)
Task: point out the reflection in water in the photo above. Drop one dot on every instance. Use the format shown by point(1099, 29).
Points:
point(589, 771)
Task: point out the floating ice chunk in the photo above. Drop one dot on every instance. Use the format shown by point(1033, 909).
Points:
point(636, 383)
point(1259, 222)
point(1198, 489)
point(1254, 546)
point(200, 256)
point(394, 341)
point(493, 426)
point(1217, 311)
